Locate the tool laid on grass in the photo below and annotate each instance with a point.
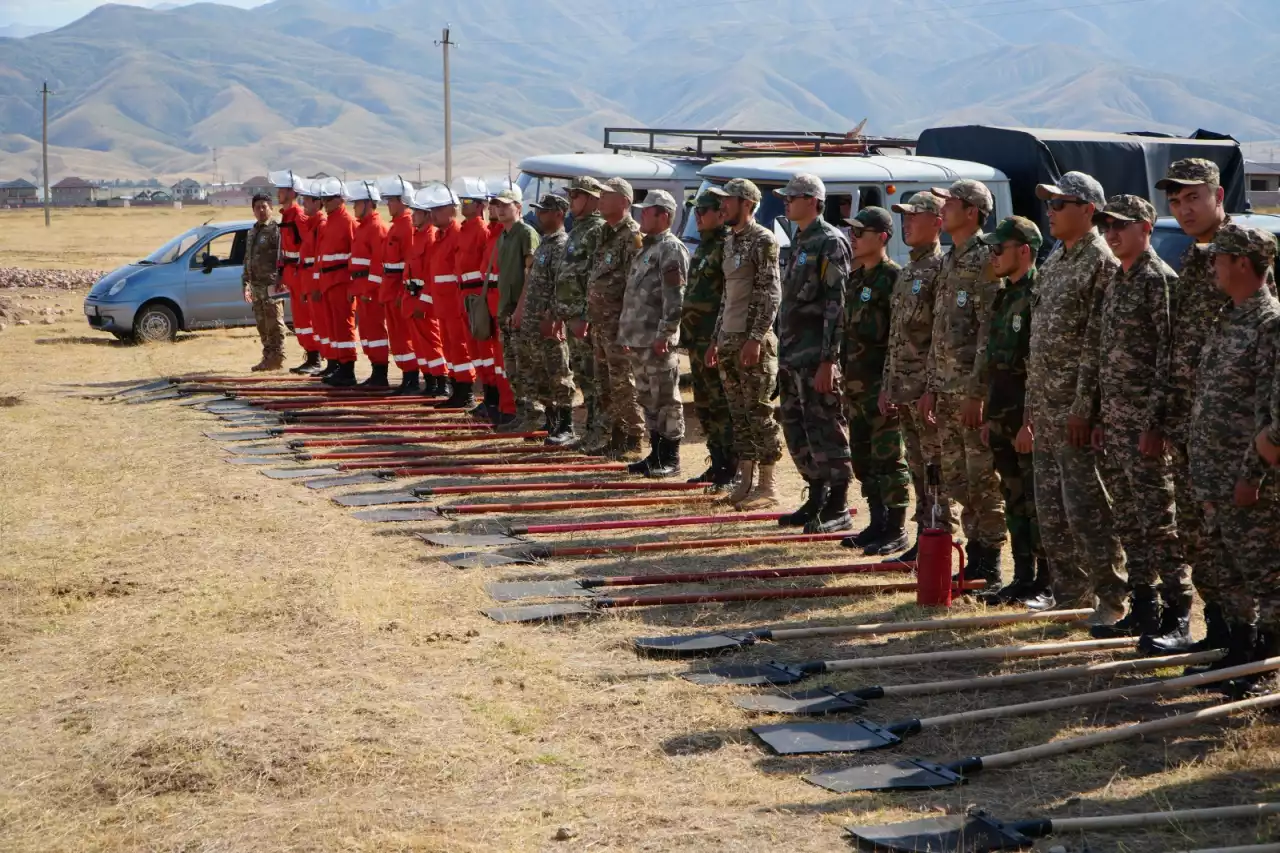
(979, 832)
(782, 673)
(592, 606)
(920, 774)
(382, 476)
(430, 464)
(719, 642)
(825, 700)
(403, 454)
(864, 735)
(423, 494)
(374, 441)
(417, 429)
(444, 512)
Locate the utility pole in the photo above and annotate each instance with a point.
(214, 180)
(419, 174)
(448, 110)
(44, 145)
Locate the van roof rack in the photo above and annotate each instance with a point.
(709, 144)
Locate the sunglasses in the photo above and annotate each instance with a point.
(1110, 224)
(1060, 203)
(1000, 248)
(703, 211)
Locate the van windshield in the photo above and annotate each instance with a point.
(533, 187)
(177, 247)
(769, 209)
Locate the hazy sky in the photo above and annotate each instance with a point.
(55, 13)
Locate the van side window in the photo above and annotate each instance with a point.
(869, 196)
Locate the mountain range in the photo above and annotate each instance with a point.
(355, 86)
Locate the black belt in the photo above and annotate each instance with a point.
(471, 286)
(361, 274)
(288, 262)
(338, 268)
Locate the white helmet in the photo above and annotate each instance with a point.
(504, 189)
(394, 187)
(287, 180)
(437, 195)
(330, 188)
(422, 199)
(363, 191)
(310, 189)
(470, 188)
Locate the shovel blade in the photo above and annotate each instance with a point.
(486, 560)
(240, 435)
(693, 645)
(145, 388)
(171, 394)
(470, 540)
(353, 480)
(229, 407)
(749, 674)
(537, 589)
(539, 612)
(299, 473)
(252, 460)
(814, 703)
(266, 450)
(417, 513)
(818, 738)
(913, 774)
(377, 499)
(958, 833)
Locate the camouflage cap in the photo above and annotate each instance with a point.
(707, 200)
(1016, 228)
(871, 219)
(551, 201)
(511, 195)
(921, 202)
(1233, 239)
(737, 188)
(584, 184)
(1189, 172)
(619, 186)
(1075, 185)
(969, 191)
(659, 198)
(804, 185)
(1126, 208)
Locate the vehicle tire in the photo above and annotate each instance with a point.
(155, 323)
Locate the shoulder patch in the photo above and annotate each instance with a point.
(1017, 323)
(915, 287)
(962, 298)
(866, 294)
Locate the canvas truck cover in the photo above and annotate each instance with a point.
(1122, 162)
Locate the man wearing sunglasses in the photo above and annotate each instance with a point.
(1133, 359)
(1075, 517)
(569, 321)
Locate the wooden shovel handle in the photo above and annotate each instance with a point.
(450, 460)
(637, 523)
(552, 506)
(505, 469)
(992, 653)
(929, 624)
(695, 544)
(356, 428)
(1125, 821)
(738, 574)
(435, 439)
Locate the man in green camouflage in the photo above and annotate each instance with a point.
(810, 342)
(612, 253)
(879, 459)
(1002, 369)
(570, 314)
(260, 278)
(697, 334)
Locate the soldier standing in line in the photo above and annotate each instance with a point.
(1132, 360)
(649, 327)
(1239, 496)
(953, 399)
(260, 277)
(698, 316)
(1002, 367)
(810, 340)
(612, 255)
(1075, 515)
(744, 346)
(879, 460)
(570, 314)
(1267, 442)
(514, 254)
(544, 358)
(910, 337)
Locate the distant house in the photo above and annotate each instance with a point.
(259, 184)
(70, 192)
(1262, 177)
(13, 193)
(187, 190)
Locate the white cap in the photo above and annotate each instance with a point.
(437, 195)
(330, 188)
(363, 191)
(470, 188)
(394, 187)
(287, 180)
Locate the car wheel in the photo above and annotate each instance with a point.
(155, 324)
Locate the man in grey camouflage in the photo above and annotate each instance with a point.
(649, 327)
(612, 254)
(745, 347)
(910, 338)
(570, 310)
(1076, 523)
(1131, 361)
(260, 277)
(1239, 496)
(810, 342)
(954, 398)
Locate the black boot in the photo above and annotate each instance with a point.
(668, 464)
(313, 360)
(717, 462)
(408, 384)
(1267, 646)
(834, 515)
(911, 554)
(649, 462)
(562, 428)
(462, 396)
(727, 475)
(330, 368)
(626, 445)
(344, 376)
(982, 563)
(487, 410)
(378, 378)
(1173, 637)
(1240, 646)
(808, 511)
(1041, 597)
(874, 528)
(893, 536)
(1023, 586)
(1143, 616)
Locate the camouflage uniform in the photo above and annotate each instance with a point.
(1132, 359)
(611, 258)
(875, 440)
(544, 361)
(811, 333)
(571, 300)
(650, 312)
(752, 291)
(1230, 407)
(1075, 517)
(261, 274)
(697, 332)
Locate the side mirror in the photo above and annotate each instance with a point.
(208, 263)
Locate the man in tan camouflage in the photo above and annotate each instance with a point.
(1076, 523)
(570, 316)
(261, 278)
(910, 337)
(1132, 359)
(612, 253)
(745, 347)
(649, 327)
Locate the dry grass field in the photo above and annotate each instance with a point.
(194, 657)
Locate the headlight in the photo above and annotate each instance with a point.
(118, 286)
